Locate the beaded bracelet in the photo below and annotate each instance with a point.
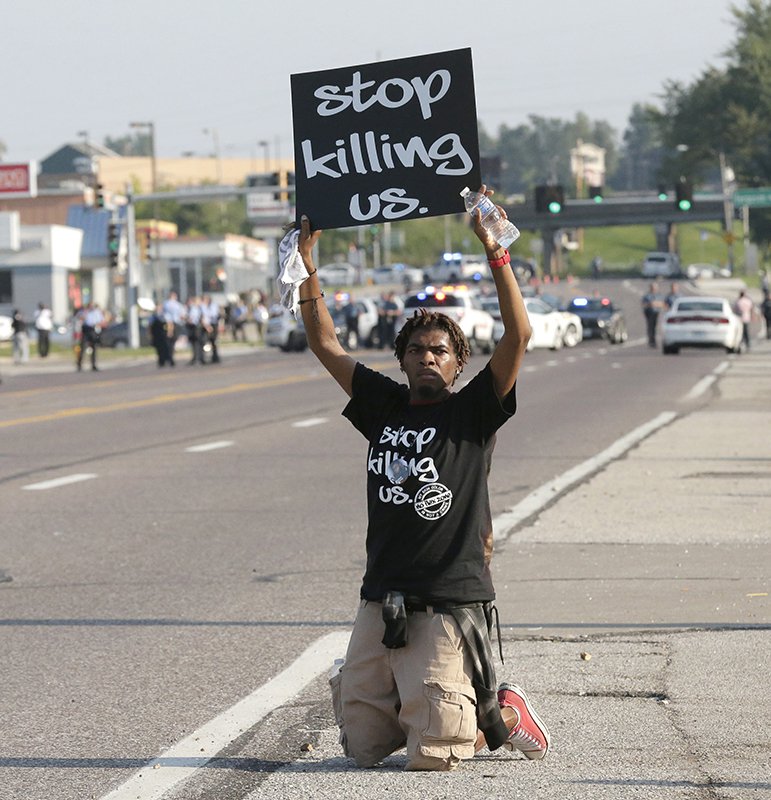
(311, 299)
(495, 263)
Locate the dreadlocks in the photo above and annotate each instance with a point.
(431, 320)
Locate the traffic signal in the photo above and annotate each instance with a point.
(113, 244)
(663, 193)
(595, 192)
(99, 196)
(265, 179)
(683, 195)
(549, 199)
(291, 193)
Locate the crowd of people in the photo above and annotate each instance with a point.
(201, 320)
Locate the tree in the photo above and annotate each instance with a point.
(727, 111)
(137, 144)
(641, 152)
(539, 152)
(214, 218)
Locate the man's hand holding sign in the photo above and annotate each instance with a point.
(388, 141)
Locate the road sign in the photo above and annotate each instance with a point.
(754, 198)
(261, 206)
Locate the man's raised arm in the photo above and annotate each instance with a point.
(510, 350)
(319, 327)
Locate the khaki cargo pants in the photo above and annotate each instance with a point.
(419, 695)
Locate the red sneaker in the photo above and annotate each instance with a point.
(529, 734)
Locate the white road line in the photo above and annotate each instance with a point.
(699, 388)
(56, 482)
(182, 759)
(310, 422)
(204, 448)
(705, 383)
(545, 494)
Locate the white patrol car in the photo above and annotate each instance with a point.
(459, 303)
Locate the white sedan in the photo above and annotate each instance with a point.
(552, 328)
(548, 325)
(701, 322)
(338, 274)
(398, 273)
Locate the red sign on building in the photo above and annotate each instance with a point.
(18, 180)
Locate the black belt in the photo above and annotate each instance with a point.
(416, 604)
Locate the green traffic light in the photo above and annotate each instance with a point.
(684, 205)
(555, 207)
(598, 198)
(662, 195)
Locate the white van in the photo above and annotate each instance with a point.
(454, 267)
(661, 265)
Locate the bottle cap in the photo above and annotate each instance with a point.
(465, 191)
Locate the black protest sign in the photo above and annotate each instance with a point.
(387, 141)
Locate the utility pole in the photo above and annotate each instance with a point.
(728, 211)
(154, 232)
(132, 272)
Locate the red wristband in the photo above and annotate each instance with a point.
(495, 263)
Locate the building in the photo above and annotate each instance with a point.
(86, 164)
(39, 264)
(225, 266)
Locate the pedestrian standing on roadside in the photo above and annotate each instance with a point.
(419, 671)
(261, 315)
(174, 312)
(238, 315)
(387, 314)
(765, 309)
(195, 330)
(674, 293)
(20, 337)
(745, 310)
(652, 304)
(43, 325)
(92, 320)
(158, 327)
(210, 318)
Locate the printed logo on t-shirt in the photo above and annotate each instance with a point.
(434, 501)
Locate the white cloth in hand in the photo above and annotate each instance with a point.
(293, 272)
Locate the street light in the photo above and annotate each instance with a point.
(217, 154)
(265, 145)
(150, 128)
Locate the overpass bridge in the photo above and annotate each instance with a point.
(645, 210)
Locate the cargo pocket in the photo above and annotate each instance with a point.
(451, 726)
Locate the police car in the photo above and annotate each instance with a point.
(460, 303)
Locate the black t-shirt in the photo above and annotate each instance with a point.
(430, 536)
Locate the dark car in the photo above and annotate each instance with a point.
(600, 318)
(117, 334)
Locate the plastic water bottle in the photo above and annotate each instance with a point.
(499, 228)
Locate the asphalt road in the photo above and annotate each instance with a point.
(174, 540)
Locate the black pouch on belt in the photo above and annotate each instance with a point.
(395, 618)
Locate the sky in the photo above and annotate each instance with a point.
(212, 73)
